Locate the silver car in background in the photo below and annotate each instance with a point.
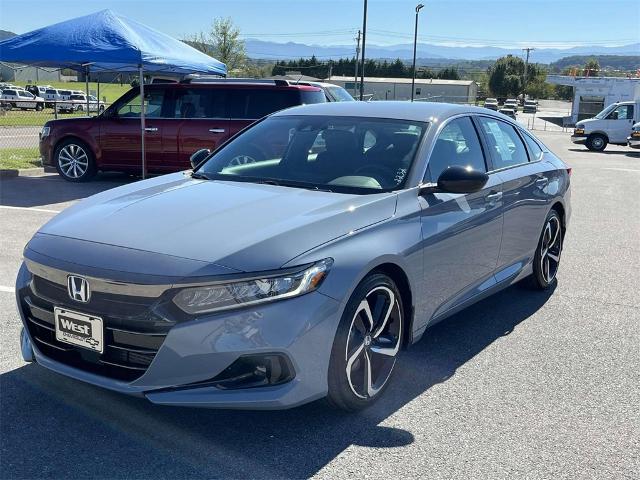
(300, 274)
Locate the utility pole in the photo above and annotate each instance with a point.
(364, 43)
(415, 44)
(526, 69)
(355, 84)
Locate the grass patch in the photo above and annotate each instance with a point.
(12, 158)
(31, 118)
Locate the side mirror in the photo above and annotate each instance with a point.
(458, 179)
(197, 158)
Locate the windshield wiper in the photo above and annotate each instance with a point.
(200, 176)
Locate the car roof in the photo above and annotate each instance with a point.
(234, 84)
(416, 111)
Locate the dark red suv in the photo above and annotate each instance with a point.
(180, 119)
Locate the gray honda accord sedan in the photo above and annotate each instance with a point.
(296, 261)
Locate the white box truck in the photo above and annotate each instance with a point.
(611, 125)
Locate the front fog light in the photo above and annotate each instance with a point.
(224, 296)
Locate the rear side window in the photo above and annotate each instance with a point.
(65, 92)
(9, 92)
(200, 103)
(457, 144)
(535, 151)
(504, 142)
(51, 92)
(252, 104)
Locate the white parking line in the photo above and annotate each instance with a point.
(33, 209)
(623, 169)
(6, 289)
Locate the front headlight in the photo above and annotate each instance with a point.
(225, 296)
(45, 132)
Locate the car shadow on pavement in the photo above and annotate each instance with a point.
(52, 426)
(52, 189)
(625, 152)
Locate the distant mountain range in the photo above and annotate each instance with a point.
(260, 49)
(4, 34)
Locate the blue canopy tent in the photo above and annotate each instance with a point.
(110, 42)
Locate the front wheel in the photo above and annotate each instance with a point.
(39, 107)
(366, 345)
(547, 258)
(74, 161)
(596, 142)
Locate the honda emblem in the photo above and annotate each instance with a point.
(78, 289)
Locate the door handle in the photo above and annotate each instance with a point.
(542, 181)
(217, 130)
(494, 197)
(150, 129)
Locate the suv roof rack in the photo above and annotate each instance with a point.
(195, 78)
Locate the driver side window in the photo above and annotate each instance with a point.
(623, 112)
(457, 144)
(152, 105)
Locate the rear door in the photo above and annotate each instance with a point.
(527, 181)
(202, 121)
(461, 233)
(120, 134)
(248, 104)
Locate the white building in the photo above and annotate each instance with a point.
(592, 94)
(435, 90)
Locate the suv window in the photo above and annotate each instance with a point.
(504, 142)
(200, 103)
(23, 93)
(51, 92)
(252, 104)
(9, 92)
(535, 151)
(65, 92)
(153, 101)
(457, 144)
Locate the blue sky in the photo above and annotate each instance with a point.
(539, 23)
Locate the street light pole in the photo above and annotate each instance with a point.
(415, 45)
(364, 42)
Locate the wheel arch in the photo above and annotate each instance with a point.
(599, 132)
(559, 207)
(401, 279)
(74, 136)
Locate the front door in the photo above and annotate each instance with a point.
(461, 233)
(120, 133)
(620, 123)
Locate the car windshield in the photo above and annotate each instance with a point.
(606, 111)
(341, 154)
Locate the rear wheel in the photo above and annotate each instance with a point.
(596, 142)
(366, 345)
(547, 258)
(74, 161)
(38, 107)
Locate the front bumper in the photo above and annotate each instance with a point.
(46, 153)
(579, 139)
(196, 351)
(633, 141)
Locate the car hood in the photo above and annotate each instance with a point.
(244, 226)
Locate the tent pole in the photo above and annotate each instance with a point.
(86, 84)
(142, 125)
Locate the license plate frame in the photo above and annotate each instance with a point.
(79, 329)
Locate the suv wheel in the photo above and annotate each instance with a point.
(366, 345)
(596, 142)
(38, 107)
(74, 160)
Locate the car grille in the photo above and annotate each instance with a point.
(133, 331)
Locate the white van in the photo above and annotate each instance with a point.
(611, 125)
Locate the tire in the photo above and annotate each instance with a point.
(365, 342)
(38, 107)
(546, 261)
(74, 160)
(596, 142)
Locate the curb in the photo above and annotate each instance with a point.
(25, 172)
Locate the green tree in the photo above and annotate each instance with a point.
(592, 68)
(449, 73)
(506, 76)
(222, 42)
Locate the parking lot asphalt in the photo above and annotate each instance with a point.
(522, 385)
